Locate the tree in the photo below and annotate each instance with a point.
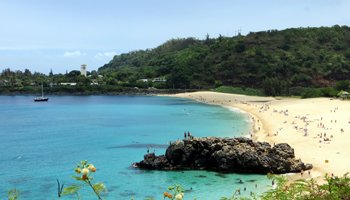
(342, 85)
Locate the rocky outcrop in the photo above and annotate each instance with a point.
(226, 155)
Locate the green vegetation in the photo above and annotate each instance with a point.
(13, 194)
(18, 82)
(306, 62)
(335, 188)
(239, 90)
(277, 62)
(84, 172)
(176, 193)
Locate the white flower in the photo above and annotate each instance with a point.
(85, 171)
(179, 196)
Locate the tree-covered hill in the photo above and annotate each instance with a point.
(276, 61)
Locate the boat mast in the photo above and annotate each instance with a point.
(42, 90)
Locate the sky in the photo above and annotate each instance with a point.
(41, 35)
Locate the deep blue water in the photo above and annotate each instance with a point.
(42, 141)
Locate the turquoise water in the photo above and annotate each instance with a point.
(42, 141)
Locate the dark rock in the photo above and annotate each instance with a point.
(151, 161)
(226, 155)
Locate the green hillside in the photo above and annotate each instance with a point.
(277, 62)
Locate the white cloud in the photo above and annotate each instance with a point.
(73, 54)
(105, 55)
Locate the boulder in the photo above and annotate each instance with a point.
(225, 155)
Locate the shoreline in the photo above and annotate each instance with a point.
(75, 91)
(316, 128)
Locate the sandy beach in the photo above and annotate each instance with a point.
(318, 129)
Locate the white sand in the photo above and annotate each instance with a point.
(297, 122)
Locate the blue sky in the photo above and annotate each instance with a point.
(63, 34)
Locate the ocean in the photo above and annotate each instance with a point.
(42, 141)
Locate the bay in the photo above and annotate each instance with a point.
(42, 141)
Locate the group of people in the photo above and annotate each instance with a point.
(188, 135)
(238, 190)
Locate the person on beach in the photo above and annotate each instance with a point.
(238, 191)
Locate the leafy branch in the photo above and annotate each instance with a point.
(84, 171)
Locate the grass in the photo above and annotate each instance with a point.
(239, 90)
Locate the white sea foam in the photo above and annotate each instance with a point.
(234, 109)
(247, 118)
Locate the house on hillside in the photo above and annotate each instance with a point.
(159, 79)
(83, 70)
(69, 84)
(4, 82)
(145, 80)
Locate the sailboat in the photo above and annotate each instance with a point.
(42, 98)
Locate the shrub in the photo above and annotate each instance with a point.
(239, 90)
(84, 172)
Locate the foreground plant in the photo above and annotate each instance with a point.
(334, 188)
(176, 192)
(13, 194)
(84, 172)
